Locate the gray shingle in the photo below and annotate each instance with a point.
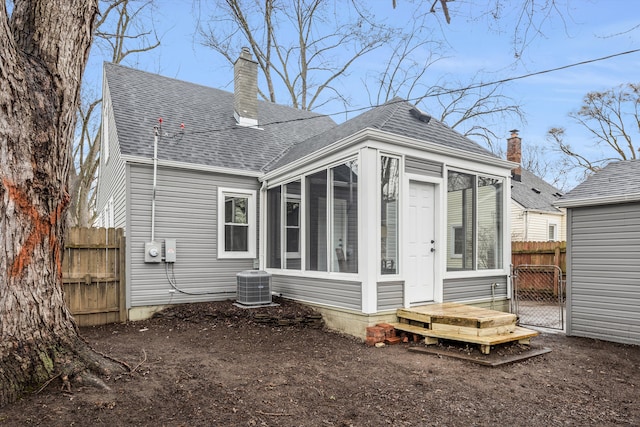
(394, 117)
(619, 179)
(534, 193)
(211, 136)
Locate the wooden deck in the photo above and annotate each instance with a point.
(464, 323)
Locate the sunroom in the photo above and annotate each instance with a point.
(383, 219)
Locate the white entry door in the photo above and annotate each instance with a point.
(420, 238)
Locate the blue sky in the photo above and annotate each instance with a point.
(589, 29)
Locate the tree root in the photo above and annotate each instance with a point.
(81, 364)
(88, 378)
(106, 356)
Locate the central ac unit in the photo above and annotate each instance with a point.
(254, 287)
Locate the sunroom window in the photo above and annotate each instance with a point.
(344, 219)
(292, 226)
(316, 221)
(330, 225)
(274, 254)
(490, 224)
(474, 222)
(389, 194)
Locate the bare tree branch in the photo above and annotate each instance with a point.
(612, 118)
(473, 112)
(121, 23)
(302, 47)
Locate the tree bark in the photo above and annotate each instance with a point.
(43, 52)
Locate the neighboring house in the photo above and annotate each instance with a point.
(389, 209)
(603, 254)
(534, 218)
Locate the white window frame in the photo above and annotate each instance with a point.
(556, 229)
(292, 198)
(331, 257)
(250, 195)
(476, 270)
(398, 213)
(453, 253)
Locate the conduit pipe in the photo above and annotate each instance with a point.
(156, 130)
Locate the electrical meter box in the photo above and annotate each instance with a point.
(169, 250)
(152, 252)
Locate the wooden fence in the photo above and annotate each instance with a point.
(540, 281)
(539, 253)
(93, 275)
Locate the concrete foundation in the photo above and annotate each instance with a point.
(352, 322)
(145, 312)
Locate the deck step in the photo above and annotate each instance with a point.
(414, 315)
(460, 322)
(455, 314)
(471, 331)
(519, 334)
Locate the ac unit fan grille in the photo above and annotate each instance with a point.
(254, 288)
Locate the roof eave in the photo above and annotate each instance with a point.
(542, 211)
(441, 149)
(192, 166)
(392, 138)
(594, 201)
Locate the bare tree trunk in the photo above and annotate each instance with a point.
(43, 51)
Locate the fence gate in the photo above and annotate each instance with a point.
(539, 295)
(93, 275)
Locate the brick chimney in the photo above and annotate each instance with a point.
(514, 154)
(245, 89)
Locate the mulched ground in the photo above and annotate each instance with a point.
(218, 364)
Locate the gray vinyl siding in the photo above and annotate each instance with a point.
(476, 288)
(603, 277)
(334, 293)
(390, 295)
(112, 180)
(422, 167)
(186, 205)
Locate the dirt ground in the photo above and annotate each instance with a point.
(215, 364)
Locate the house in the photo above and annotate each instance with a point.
(389, 209)
(603, 254)
(534, 217)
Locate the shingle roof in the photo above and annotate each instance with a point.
(395, 117)
(617, 182)
(211, 135)
(535, 193)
